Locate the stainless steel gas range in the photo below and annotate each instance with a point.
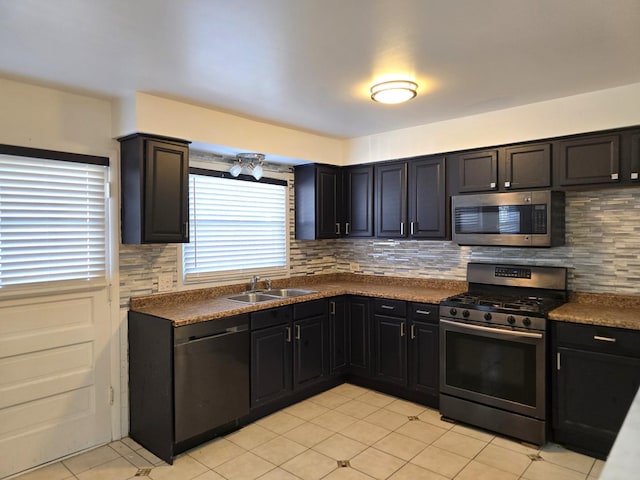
(494, 348)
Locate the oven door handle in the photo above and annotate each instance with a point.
(509, 333)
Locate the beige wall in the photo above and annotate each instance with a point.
(612, 108)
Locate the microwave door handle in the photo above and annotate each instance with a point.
(508, 333)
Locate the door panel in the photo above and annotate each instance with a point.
(54, 378)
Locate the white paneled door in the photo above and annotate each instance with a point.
(54, 377)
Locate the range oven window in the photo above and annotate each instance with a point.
(497, 368)
(501, 219)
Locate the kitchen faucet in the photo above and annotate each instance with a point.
(253, 282)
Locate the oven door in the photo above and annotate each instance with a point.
(493, 366)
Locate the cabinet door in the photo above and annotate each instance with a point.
(328, 202)
(593, 392)
(634, 175)
(391, 200)
(309, 350)
(359, 201)
(270, 364)
(527, 166)
(423, 355)
(390, 350)
(427, 199)
(166, 192)
(478, 171)
(358, 329)
(589, 160)
(338, 336)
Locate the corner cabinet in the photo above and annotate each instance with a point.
(595, 378)
(154, 189)
(318, 202)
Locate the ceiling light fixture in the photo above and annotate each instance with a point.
(394, 91)
(251, 162)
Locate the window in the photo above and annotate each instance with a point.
(237, 227)
(53, 217)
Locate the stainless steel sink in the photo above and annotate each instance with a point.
(288, 292)
(269, 295)
(256, 297)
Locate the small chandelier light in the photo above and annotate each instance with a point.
(252, 163)
(394, 91)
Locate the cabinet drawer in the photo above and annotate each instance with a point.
(424, 312)
(394, 308)
(310, 309)
(270, 317)
(599, 338)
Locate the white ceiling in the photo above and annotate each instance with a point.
(308, 64)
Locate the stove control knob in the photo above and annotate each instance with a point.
(511, 319)
(453, 312)
(526, 322)
(465, 313)
(487, 316)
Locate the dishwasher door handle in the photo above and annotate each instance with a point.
(221, 334)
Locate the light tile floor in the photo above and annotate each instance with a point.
(374, 436)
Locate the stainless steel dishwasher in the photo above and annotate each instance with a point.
(211, 375)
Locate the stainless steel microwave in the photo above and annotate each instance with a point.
(514, 219)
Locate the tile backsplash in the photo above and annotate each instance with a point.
(602, 251)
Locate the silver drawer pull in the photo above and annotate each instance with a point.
(604, 339)
(423, 312)
(297, 332)
(413, 331)
(288, 334)
(402, 329)
(387, 307)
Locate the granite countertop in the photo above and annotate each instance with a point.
(192, 306)
(600, 309)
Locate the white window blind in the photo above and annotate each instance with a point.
(236, 228)
(52, 220)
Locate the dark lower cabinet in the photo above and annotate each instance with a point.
(338, 336)
(271, 364)
(359, 336)
(310, 343)
(424, 362)
(390, 341)
(596, 376)
(289, 350)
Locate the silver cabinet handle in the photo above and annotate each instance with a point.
(507, 184)
(347, 228)
(332, 308)
(387, 307)
(413, 331)
(614, 176)
(401, 228)
(402, 329)
(492, 185)
(289, 334)
(604, 339)
(297, 332)
(337, 229)
(634, 175)
(423, 312)
(558, 361)
(412, 228)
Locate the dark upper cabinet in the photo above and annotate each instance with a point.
(318, 202)
(358, 186)
(634, 161)
(391, 200)
(154, 185)
(477, 171)
(588, 160)
(427, 198)
(596, 376)
(526, 167)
